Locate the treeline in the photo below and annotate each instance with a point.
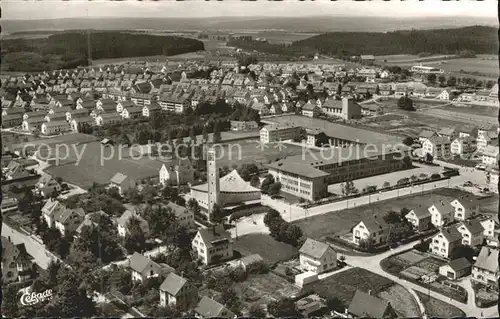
(70, 49)
(480, 39)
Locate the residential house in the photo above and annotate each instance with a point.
(364, 305)
(448, 132)
(441, 213)
(52, 117)
(490, 225)
(184, 216)
(122, 105)
(426, 135)
(151, 109)
(132, 112)
(491, 178)
(106, 118)
(472, 232)
(420, 218)
(485, 139)
(445, 242)
(317, 256)
(17, 264)
(438, 147)
(465, 131)
(213, 244)
(209, 308)
(372, 231)
(79, 124)
(485, 269)
(12, 120)
(309, 110)
(178, 172)
(15, 170)
(48, 210)
(67, 220)
(463, 145)
(243, 125)
(122, 182)
(47, 181)
(33, 123)
(312, 306)
(56, 127)
(456, 269)
(489, 155)
(176, 291)
(143, 268)
(123, 220)
(385, 89)
(465, 207)
(445, 94)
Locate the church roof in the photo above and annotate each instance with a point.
(231, 183)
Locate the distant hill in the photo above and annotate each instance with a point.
(69, 49)
(480, 39)
(296, 24)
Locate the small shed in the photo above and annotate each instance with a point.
(305, 278)
(456, 269)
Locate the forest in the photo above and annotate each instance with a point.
(70, 49)
(480, 39)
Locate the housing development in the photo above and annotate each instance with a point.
(237, 184)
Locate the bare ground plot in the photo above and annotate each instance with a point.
(437, 308)
(341, 222)
(344, 285)
(267, 247)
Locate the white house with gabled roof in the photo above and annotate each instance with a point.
(317, 257)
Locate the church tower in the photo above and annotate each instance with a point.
(213, 181)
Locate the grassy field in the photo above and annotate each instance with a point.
(483, 110)
(264, 245)
(341, 222)
(97, 164)
(437, 308)
(406, 58)
(278, 37)
(344, 285)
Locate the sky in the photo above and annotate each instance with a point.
(57, 9)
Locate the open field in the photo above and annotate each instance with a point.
(151, 58)
(406, 58)
(267, 247)
(437, 308)
(482, 110)
(341, 222)
(344, 285)
(99, 164)
(463, 117)
(278, 37)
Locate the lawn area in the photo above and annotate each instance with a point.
(341, 222)
(344, 285)
(267, 247)
(437, 308)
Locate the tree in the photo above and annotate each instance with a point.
(124, 139)
(464, 251)
(274, 189)
(266, 183)
(217, 135)
(405, 103)
(256, 311)
(441, 79)
(192, 135)
(413, 178)
(121, 280)
(431, 78)
(230, 298)
(386, 184)
(452, 81)
(348, 188)
(408, 141)
(335, 304)
(217, 214)
(283, 308)
(423, 176)
(10, 301)
(192, 205)
(135, 240)
(428, 158)
(255, 181)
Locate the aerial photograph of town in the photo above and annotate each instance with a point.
(249, 159)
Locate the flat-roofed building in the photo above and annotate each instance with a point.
(274, 133)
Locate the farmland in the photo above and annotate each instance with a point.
(440, 309)
(341, 222)
(278, 37)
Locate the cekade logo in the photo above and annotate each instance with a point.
(28, 299)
